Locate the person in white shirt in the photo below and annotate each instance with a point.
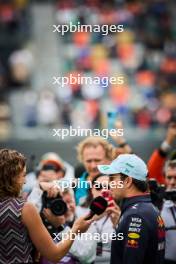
(103, 228)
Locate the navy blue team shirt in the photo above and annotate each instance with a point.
(143, 233)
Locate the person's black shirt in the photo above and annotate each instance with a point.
(143, 231)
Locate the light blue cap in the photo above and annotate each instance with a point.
(128, 164)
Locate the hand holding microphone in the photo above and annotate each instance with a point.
(97, 207)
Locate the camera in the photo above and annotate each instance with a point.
(170, 195)
(159, 193)
(57, 206)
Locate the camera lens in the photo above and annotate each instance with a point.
(58, 207)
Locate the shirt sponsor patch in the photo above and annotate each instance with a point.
(135, 225)
(134, 229)
(136, 220)
(132, 243)
(133, 235)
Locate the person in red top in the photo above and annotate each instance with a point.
(159, 156)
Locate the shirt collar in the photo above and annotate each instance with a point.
(127, 202)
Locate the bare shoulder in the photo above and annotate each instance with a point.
(29, 208)
(29, 213)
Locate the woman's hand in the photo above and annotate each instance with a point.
(81, 225)
(41, 238)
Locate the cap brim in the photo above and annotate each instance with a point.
(107, 169)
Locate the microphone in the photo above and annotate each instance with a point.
(97, 207)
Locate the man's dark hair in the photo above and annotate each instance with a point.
(140, 185)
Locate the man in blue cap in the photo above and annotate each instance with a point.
(140, 222)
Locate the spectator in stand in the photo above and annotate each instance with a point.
(122, 144)
(47, 109)
(146, 48)
(21, 66)
(2, 77)
(159, 156)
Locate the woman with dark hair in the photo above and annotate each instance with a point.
(104, 225)
(21, 228)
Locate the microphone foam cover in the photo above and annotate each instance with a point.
(98, 205)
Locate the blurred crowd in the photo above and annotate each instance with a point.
(15, 59)
(144, 53)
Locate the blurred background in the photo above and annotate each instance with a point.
(31, 54)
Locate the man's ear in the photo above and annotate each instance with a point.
(129, 182)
